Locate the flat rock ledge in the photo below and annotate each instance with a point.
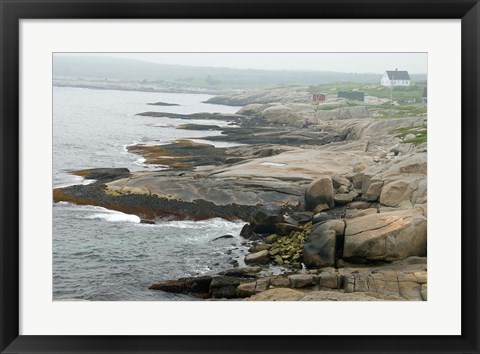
(150, 207)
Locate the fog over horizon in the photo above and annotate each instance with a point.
(369, 63)
(218, 72)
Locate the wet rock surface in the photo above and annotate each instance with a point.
(163, 104)
(265, 218)
(196, 116)
(103, 174)
(150, 207)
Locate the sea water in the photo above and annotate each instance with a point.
(100, 254)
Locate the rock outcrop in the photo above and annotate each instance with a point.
(103, 175)
(335, 198)
(403, 280)
(260, 257)
(266, 218)
(319, 192)
(386, 236)
(319, 249)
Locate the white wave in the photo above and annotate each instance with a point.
(203, 224)
(202, 231)
(115, 216)
(163, 125)
(67, 180)
(220, 123)
(61, 203)
(140, 161)
(125, 147)
(92, 208)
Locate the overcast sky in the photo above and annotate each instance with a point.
(340, 62)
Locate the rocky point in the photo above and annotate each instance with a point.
(334, 199)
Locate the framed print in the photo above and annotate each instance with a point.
(232, 177)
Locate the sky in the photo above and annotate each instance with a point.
(415, 63)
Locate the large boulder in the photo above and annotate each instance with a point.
(319, 249)
(246, 289)
(386, 236)
(357, 180)
(259, 247)
(277, 114)
(344, 198)
(339, 181)
(373, 191)
(321, 217)
(247, 232)
(400, 183)
(336, 225)
(254, 109)
(301, 280)
(395, 192)
(320, 191)
(303, 216)
(265, 218)
(260, 257)
(416, 164)
(419, 196)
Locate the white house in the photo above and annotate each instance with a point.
(396, 78)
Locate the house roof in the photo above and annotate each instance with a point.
(398, 75)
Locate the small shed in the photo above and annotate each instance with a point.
(319, 97)
(424, 96)
(352, 95)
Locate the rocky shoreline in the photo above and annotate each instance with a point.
(334, 198)
(398, 281)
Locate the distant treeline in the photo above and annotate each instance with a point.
(104, 68)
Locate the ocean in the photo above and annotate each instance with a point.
(105, 255)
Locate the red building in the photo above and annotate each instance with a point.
(319, 97)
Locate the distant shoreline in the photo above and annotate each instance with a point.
(139, 89)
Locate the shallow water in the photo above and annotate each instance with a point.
(100, 254)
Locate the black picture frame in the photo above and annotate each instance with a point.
(14, 10)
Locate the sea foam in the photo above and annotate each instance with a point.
(115, 216)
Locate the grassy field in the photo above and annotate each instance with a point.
(401, 111)
(403, 95)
